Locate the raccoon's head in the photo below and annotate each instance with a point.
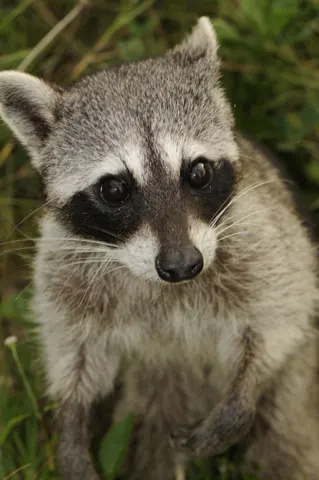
(141, 156)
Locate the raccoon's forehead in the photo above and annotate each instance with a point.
(131, 118)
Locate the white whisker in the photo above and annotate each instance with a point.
(80, 262)
(91, 282)
(79, 240)
(113, 269)
(103, 274)
(232, 235)
(249, 189)
(86, 262)
(22, 291)
(14, 250)
(229, 219)
(28, 216)
(64, 239)
(81, 250)
(238, 221)
(105, 231)
(58, 250)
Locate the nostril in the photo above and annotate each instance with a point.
(195, 267)
(167, 274)
(170, 273)
(196, 262)
(164, 271)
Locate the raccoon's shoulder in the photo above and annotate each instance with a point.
(257, 156)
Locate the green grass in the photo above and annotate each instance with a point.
(270, 51)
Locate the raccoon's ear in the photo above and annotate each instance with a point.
(27, 105)
(201, 42)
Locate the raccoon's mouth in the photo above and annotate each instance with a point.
(179, 265)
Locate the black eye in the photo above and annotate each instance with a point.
(114, 190)
(200, 174)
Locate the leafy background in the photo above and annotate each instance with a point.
(270, 52)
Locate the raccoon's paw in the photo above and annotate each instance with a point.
(196, 441)
(226, 425)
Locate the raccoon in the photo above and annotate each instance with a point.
(172, 267)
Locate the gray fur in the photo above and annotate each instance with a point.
(231, 356)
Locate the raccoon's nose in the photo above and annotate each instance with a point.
(178, 265)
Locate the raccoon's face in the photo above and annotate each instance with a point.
(141, 157)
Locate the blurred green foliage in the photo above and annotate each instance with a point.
(270, 53)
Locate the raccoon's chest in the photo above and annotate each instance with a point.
(181, 333)
(160, 330)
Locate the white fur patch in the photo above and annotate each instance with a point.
(133, 157)
(203, 36)
(204, 238)
(174, 152)
(27, 90)
(204, 33)
(79, 181)
(139, 254)
(30, 88)
(171, 155)
(213, 150)
(129, 158)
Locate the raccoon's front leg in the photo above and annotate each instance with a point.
(93, 374)
(80, 371)
(73, 455)
(227, 424)
(255, 363)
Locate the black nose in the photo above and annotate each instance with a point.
(178, 265)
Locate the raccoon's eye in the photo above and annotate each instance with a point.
(114, 190)
(200, 174)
